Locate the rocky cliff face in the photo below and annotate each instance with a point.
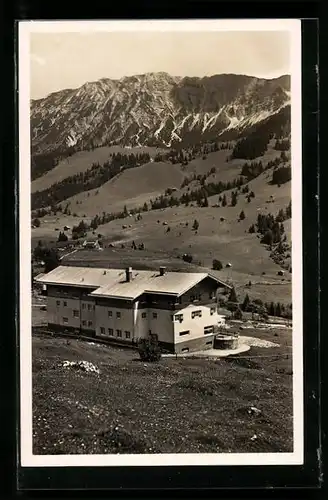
(154, 109)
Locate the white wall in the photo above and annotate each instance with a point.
(196, 325)
(141, 325)
(162, 325)
(88, 313)
(124, 323)
(56, 313)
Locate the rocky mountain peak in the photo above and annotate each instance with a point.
(153, 109)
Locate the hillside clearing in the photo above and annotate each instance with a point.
(81, 161)
(138, 185)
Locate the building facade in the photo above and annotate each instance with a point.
(124, 305)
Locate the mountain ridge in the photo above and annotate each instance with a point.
(153, 109)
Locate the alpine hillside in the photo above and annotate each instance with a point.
(181, 172)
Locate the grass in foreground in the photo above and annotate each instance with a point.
(184, 405)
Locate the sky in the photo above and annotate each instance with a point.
(68, 60)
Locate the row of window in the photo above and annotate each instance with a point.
(84, 322)
(195, 298)
(194, 314)
(207, 330)
(118, 315)
(110, 332)
(76, 314)
(90, 307)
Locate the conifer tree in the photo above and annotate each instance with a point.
(233, 295)
(246, 302)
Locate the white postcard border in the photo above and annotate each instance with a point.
(293, 26)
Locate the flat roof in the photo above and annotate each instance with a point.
(112, 282)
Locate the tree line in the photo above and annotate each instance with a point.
(256, 142)
(256, 306)
(187, 154)
(277, 309)
(282, 144)
(41, 163)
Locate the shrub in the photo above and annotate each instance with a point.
(217, 265)
(149, 349)
(36, 222)
(187, 257)
(195, 225)
(238, 313)
(242, 215)
(231, 306)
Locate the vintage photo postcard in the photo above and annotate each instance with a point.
(160, 181)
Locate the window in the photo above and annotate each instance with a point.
(185, 349)
(118, 315)
(213, 309)
(83, 306)
(89, 323)
(102, 330)
(84, 323)
(89, 307)
(144, 315)
(178, 317)
(65, 320)
(212, 295)
(209, 342)
(127, 335)
(208, 329)
(65, 304)
(75, 313)
(110, 314)
(192, 298)
(195, 314)
(57, 302)
(119, 333)
(186, 332)
(110, 331)
(154, 315)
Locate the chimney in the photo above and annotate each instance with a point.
(162, 270)
(128, 272)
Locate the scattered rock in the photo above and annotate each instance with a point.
(254, 411)
(81, 365)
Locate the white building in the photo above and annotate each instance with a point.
(125, 305)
